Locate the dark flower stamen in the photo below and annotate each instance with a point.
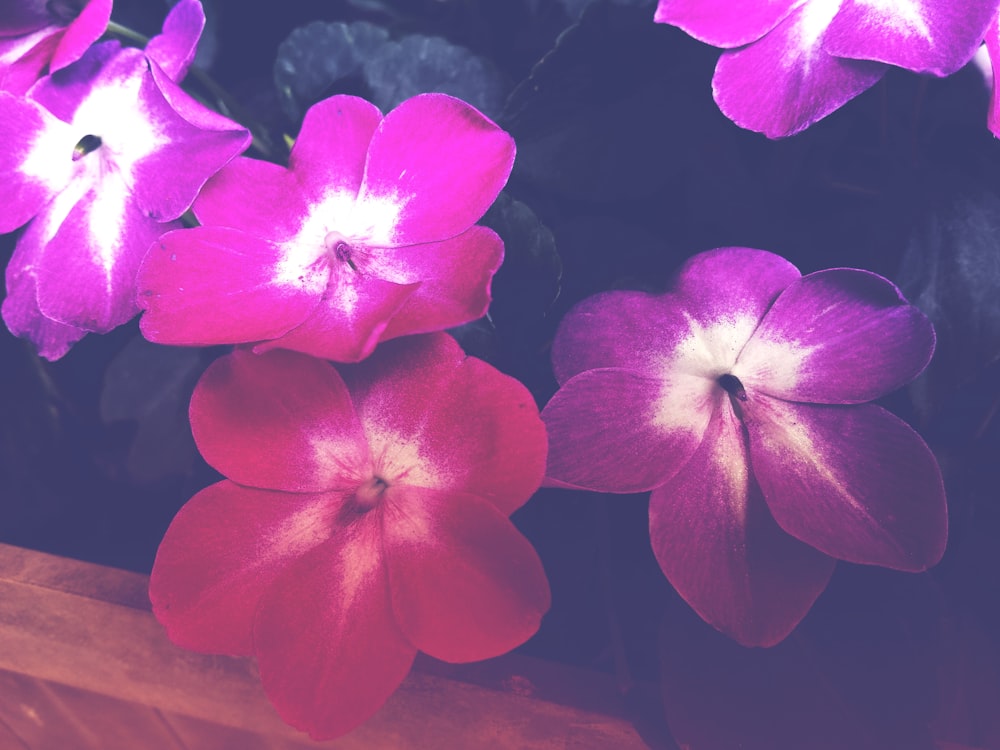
(86, 145)
(732, 385)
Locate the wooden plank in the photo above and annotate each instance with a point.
(89, 627)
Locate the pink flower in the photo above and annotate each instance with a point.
(790, 63)
(366, 236)
(365, 517)
(99, 159)
(738, 398)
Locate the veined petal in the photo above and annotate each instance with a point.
(466, 584)
(280, 421)
(222, 551)
(925, 36)
(837, 336)
(81, 33)
(174, 49)
(348, 323)
(786, 81)
(853, 481)
(437, 419)
(613, 430)
(718, 545)
(440, 162)
(325, 637)
(454, 278)
(212, 285)
(718, 23)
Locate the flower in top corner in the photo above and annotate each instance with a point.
(739, 398)
(789, 63)
(367, 235)
(365, 517)
(99, 159)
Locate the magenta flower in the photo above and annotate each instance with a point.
(790, 63)
(366, 236)
(99, 159)
(738, 398)
(365, 517)
(38, 37)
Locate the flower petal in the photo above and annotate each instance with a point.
(993, 52)
(81, 33)
(441, 161)
(618, 431)
(222, 551)
(175, 48)
(718, 545)
(925, 36)
(466, 584)
(785, 82)
(715, 22)
(212, 285)
(454, 277)
(281, 421)
(853, 481)
(837, 336)
(326, 641)
(437, 419)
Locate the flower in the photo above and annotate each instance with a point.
(365, 517)
(36, 35)
(366, 236)
(790, 63)
(100, 158)
(738, 398)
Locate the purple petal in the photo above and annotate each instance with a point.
(718, 23)
(23, 59)
(24, 16)
(213, 285)
(838, 336)
(175, 48)
(440, 162)
(619, 431)
(63, 92)
(785, 82)
(993, 50)
(720, 548)
(853, 481)
(925, 36)
(81, 33)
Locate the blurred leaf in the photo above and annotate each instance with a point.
(151, 385)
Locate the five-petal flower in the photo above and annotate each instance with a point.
(789, 63)
(365, 516)
(368, 235)
(738, 398)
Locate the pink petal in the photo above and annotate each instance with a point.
(440, 420)
(853, 481)
(613, 430)
(785, 82)
(332, 146)
(197, 113)
(349, 321)
(326, 641)
(925, 36)
(222, 552)
(23, 59)
(441, 161)
(256, 197)
(837, 336)
(175, 48)
(81, 33)
(466, 585)
(280, 421)
(993, 50)
(720, 548)
(454, 277)
(211, 285)
(718, 23)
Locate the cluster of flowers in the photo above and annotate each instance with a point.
(789, 63)
(365, 510)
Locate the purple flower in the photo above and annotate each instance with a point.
(790, 63)
(366, 236)
(36, 35)
(738, 398)
(99, 159)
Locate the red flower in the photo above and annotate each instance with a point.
(365, 518)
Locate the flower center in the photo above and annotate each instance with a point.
(86, 145)
(369, 494)
(340, 249)
(732, 385)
